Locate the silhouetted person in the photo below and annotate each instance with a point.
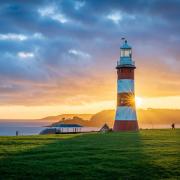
(173, 126)
(17, 133)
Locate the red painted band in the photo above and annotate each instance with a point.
(125, 73)
(124, 125)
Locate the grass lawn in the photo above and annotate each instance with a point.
(148, 154)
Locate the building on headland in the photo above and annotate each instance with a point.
(68, 128)
(125, 118)
(62, 128)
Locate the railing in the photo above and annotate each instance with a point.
(125, 61)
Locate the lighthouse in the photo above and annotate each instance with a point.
(125, 118)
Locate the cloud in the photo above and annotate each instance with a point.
(79, 4)
(72, 48)
(38, 35)
(116, 17)
(53, 14)
(79, 53)
(20, 37)
(25, 54)
(13, 36)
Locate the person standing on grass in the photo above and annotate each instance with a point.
(17, 133)
(173, 126)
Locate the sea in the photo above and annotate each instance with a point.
(34, 127)
(24, 127)
(31, 127)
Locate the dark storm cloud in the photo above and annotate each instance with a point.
(51, 47)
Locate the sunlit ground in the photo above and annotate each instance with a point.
(148, 154)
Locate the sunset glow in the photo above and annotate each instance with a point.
(33, 112)
(54, 60)
(139, 102)
(89, 89)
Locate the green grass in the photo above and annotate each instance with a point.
(148, 154)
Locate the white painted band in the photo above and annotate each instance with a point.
(125, 85)
(125, 113)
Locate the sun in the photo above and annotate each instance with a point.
(138, 102)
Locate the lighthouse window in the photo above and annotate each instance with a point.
(126, 53)
(122, 53)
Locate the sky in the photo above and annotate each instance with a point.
(59, 56)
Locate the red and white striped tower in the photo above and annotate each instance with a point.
(126, 119)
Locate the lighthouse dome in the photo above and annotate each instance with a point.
(125, 45)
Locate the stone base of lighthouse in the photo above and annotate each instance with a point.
(125, 125)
